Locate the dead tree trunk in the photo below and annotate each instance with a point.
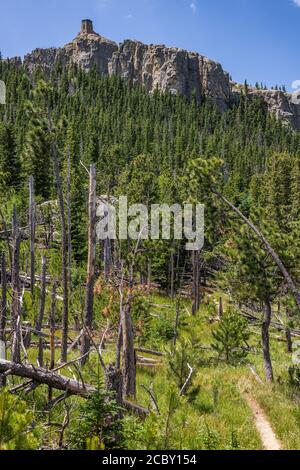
(40, 318)
(220, 309)
(6, 237)
(69, 218)
(114, 386)
(16, 307)
(128, 357)
(43, 376)
(107, 258)
(114, 382)
(196, 282)
(266, 341)
(59, 382)
(32, 233)
(3, 314)
(119, 344)
(288, 334)
(64, 249)
(89, 293)
(289, 341)
(3, 311)
(52, 332)
(172, 275)
(176, 325)
(149, 277)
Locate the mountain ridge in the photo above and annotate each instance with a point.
(159, 67)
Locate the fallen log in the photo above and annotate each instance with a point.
(22, 229)
(275, 337)
(168, 307)
(37, 277)
(75, 342)
(49, 378)
(34, 331)
(137, 409)
(25, 279)
(150, 366)
(59, 382)
(46, 344)
(275, 325)
(46, 326)
(150, 352)
(147, 360)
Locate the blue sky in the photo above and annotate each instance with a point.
(254, 39)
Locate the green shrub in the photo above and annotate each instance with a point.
(98, 425)
(210, 438)
(158, 330)
(186, 354)
(16, 424)
(231, 337)
(157, 431)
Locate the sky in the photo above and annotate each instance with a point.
(257, 40)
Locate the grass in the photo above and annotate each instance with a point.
(216, 416)
(220, 417)
(280, 401)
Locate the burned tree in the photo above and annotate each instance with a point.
(3, 311)
(64, 248)
(288, 333)
(52, 332)
(89, 294)
(196, 282)
(69, 218)
(128, 355)
(16, 307)
(40, 318)
(3, 314)
(266, 341)
(32, 233)
(6, 234)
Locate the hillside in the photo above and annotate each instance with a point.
(161, 68)
(140, 343)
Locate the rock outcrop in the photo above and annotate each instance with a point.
(154, 66)
(87, 50)
(283, 105)
(159, 67)
(171, 69)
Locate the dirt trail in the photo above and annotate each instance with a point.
(268, 437)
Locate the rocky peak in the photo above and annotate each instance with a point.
(159, 67)
(87, 31)
(88, 50)
(87, 27)
(281, 104)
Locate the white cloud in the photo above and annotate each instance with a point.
(297, 2)
(296, 83)
(193, 7)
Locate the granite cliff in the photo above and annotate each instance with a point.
(159, 67)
